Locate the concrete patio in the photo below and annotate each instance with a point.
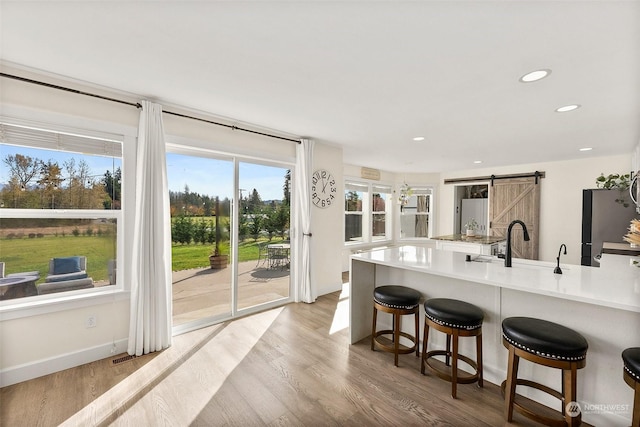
(203, 292)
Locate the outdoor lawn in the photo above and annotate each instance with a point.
(33, 254)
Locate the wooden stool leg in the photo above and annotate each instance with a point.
(569, 380)
(417, 331)
(396, 337)
(373, 329)
(447, 357)
(635, 421)
(425, 339)
(510, 389)
(479, 359)
(454, 365)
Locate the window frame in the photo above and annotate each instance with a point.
(367, 212)
(420, 189)
(62, 301)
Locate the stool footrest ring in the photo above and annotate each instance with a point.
(463, 376)
(403, 349)
(530, 413)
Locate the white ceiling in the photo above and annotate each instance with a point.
(367, 76)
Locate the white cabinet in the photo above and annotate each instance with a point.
(475, 208)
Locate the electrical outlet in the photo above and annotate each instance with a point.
(91, 321)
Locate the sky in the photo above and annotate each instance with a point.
(203, 175)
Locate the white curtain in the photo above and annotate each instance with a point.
(305, 290)
(150, 320)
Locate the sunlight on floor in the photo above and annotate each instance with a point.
(341, 316)
(180, 370)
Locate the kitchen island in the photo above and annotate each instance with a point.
(603, 304)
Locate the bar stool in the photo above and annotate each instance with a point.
(456, 319)
(397, 300)
(547, 344)
(631, 359)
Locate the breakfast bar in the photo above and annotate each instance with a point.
(602, 304)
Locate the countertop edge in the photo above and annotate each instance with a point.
(543, 292)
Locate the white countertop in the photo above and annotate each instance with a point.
(616, 285)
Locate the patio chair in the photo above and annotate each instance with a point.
(66, 274)
(263, 254)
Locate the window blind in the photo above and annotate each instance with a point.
(53, 140)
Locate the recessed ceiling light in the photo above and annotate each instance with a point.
(535, 76)
(419, 138)
(567, 108)
(477, 162)
(586, 149)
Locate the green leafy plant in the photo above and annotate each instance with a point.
(614, 181)
(472, 224)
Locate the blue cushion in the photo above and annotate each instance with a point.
(66, 265)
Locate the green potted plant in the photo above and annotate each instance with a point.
(219, 257)
(471, 226)
(614, 181)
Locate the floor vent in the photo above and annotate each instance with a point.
(122, 359)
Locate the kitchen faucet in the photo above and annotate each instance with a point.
(507, 258)
(557, 270)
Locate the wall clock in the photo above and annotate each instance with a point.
(324, 190)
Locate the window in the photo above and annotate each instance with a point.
(415, 216)
(367, 211)
(60, 199)
(381, 210)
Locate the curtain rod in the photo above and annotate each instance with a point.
(492, 178)
(137, 105)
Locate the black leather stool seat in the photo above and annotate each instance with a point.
(454, 313)
(631, 359)
(545, 339)
(631, 375)
(394, 296)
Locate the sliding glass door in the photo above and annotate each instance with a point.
(264, 246)
(230, 236)
(200, 199)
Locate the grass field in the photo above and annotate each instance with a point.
(34, 254)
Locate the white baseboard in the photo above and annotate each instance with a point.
(28, 371)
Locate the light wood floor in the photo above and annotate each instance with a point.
(287, 366)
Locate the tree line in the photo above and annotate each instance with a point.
(192, 212)
(38, 184)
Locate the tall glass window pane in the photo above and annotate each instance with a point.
(264, 248)
(200, 199)
(353, 204)
(49, 170)
(415, 218)
(381, 210)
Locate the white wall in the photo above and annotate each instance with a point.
(327, 226)
(47, 339)
(560, 199)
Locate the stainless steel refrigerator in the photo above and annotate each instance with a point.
(603, 220)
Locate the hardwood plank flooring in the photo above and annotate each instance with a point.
(281, 367)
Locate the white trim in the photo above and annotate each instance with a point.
(28, 371)
(62, 301)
